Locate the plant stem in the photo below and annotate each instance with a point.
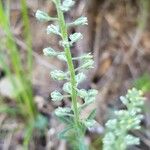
(27, 35)
(63, 28)
(64, 34)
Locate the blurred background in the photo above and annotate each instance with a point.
(118, 35)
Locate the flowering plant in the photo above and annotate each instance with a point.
(117, 136)
(75, 125)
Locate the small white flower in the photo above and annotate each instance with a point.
(58, 75)
(80, 21)
(49, 51)
(56, 96)
(75, 37)
(62, 56)
(80, 77)
(66, 5)
(88, 64)
(67, 87)
(42, 16)
(53, 29)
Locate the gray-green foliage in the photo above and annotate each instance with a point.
(117, 135)
(72, 77)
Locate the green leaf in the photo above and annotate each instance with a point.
(63, 111)
(92, 115)
(87, 57)
(9, 110)
(66, 119)
(143, 83)
(89, 123)
(41, 122)
(84, 57)
(28, 134)
(64, 134)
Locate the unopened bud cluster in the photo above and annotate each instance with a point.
(117, 135)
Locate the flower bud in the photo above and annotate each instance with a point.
(58, 75)
(75, 37)
(80, 21)
(62, 56)
(66, 5)
(49, 51)
(82, 93)
(42, 16)
(87, 57)
(67, 87)
(53, 29)
(88, 64)
(80, 77)
(56, 96)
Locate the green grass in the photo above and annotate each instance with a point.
(20, 75)
(27, 35)
(143, 83)
(75, 125)
(26, 97)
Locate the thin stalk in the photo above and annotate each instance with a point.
(25, 96)
(27, 35)
(64, 35)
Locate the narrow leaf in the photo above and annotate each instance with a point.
(92, 114)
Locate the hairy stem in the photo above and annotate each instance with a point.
(63, 30)
(64, 33)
